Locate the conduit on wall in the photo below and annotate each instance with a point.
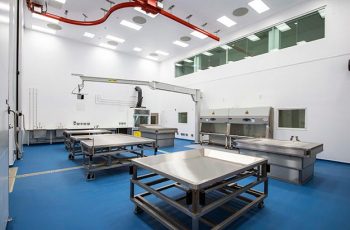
(149, 6)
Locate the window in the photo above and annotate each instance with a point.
(183, 117)
(291, 118)
(307, 28)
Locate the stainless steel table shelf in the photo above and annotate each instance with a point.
(206, 180)
(68, 142)
(110, 148)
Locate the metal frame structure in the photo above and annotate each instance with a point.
(149, 6)
(111, 153)
(198, 200)
(154, 85)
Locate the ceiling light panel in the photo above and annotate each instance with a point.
(43, 18)
(177, 64)
(107, 46)
(322, 13)
(199, 35)
(283, 27)
(137, 49)
(253, 38)
(208, 54)
(226, 21)
(144, 12)
(188, 61)
(182, 44)
(130, 25)
(42, 29)
(4, 6)
(259, 6)
(113, 38)
(162, 53)
(152, 58)
(61, 1)
(89, 35)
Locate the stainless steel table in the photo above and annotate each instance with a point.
(111, 148)
(202, 181)
(69, 133)
(164, 136)
(291, 161)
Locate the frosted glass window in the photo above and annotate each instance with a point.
(259, 45)
(291, 118)
(184, 67)
(182, 117)
(239, 50)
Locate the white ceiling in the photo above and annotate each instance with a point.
(160, 32)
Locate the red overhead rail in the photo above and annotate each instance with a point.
(149, 6)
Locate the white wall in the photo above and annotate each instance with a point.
(313, 75)
(49, 61)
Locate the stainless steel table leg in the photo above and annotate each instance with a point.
(195, 207)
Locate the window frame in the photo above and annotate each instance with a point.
(289, 128)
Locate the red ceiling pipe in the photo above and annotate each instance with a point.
(146, 5)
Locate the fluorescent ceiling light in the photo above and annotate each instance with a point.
(47, 19)
(116, 39)
(188, 61)
(253, 38)
(182, 44)
(144, 12)
(89, 35)
(4, 19)
(42, 29)
(283, 27)
(199, 35)
(226, 21)
(137, 49)
(322, 13)
(207, 54)
(130, 25)
(61, 1)
(259, 6)
(301, 42)
(162, 53)
(4, 6)
(226, 47)
(107, 46)
(177, 64)
(152, 58)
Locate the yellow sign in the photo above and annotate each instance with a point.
(137, 133)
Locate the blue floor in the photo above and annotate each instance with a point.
(66, 201)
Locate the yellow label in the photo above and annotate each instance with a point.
(137, 133)
(112, 80)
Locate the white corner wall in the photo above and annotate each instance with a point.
(49, 61)
(312, 76)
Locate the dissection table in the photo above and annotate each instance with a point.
(291, 161)
(69, 133)
(114, 150)
(202, 181)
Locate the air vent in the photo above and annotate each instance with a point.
(139, 20)
(185, 38)
(240, 12)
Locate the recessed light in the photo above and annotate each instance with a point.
(182, 44)
(322, 13)
(113, 38)
(42, 29)
(226, 21)
(47, 19)
(188, 61)
(130, 25)
(177, 64)
(4, 19)
(144, 12)
(283, 27)
(137, 49)
(162, 53)
(89, 35)
(226, 47)
(107, 46)
(152, 58)
(253, 38)
(207, 54)
(61, 1)
(259, 6)
(199, 35)
(4, 6)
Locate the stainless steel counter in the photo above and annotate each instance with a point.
(198, 174)
(164, 136)
(290, 161)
